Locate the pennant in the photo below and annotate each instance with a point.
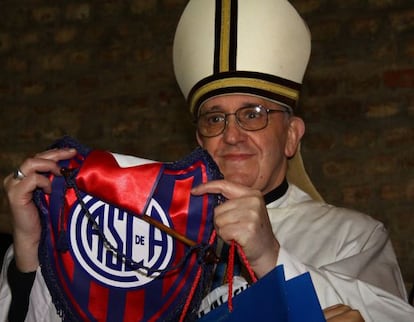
(101, 260)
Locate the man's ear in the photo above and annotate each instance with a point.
(295, 132)
(199, 140)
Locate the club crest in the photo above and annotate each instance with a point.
(143, 243)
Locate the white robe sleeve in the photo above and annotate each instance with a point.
(292, 267)
(5, 295)
(41, 307)
(368, 280)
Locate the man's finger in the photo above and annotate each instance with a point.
(335, 310)
(228, 189)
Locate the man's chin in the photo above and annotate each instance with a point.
(240, 178)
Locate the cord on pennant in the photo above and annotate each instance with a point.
(246, 263)
(230, 270)
(230, 274)
(196, 281)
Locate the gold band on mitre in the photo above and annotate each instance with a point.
(264, 85)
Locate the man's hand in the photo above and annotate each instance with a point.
(342, 313)
(25, 217)
(243, 218)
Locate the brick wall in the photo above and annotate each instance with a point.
(101, 71)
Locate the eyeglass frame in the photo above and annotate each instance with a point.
(286, 109)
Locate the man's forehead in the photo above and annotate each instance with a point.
(233, 101)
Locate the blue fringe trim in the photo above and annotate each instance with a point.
(63, 306)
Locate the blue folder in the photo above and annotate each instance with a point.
(272, 298)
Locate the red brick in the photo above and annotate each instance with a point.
(383, 52)
(402, 20)
(338, 168)
(404, 222)
(78, 11)
(45, 14)
(325, 30)
(307, 6)
(31, 88)
(87, 83)
(5, 90)
(410, 190)
(140, 7)
(110, 7)
(401, 78)
(391, 193)
(362, 138)
(356, 194)
(410, 107)
(380, 165)
(53, 62)
(364, 27)
(382, 110)
(65, 35)
(362, 84)
(5, 42)
(340, 109)
(15, 64)
(143, 54)
(408, 48)
(323, 84)
(320, 141)
(399, 136)
(80, 57)
(29, 38)
(380, 4)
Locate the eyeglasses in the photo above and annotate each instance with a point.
(249, 118)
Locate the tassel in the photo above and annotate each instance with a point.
(230, 274)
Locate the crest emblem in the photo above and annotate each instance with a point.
(143, 243)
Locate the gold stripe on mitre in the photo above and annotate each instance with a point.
(225, 29)
(201, 93)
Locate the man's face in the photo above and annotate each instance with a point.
(257, 159)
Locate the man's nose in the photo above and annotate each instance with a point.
(233, 133)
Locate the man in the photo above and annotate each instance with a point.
(240, 65)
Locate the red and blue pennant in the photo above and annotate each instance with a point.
(123, 239)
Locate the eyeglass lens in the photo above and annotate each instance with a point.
(250, 118)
